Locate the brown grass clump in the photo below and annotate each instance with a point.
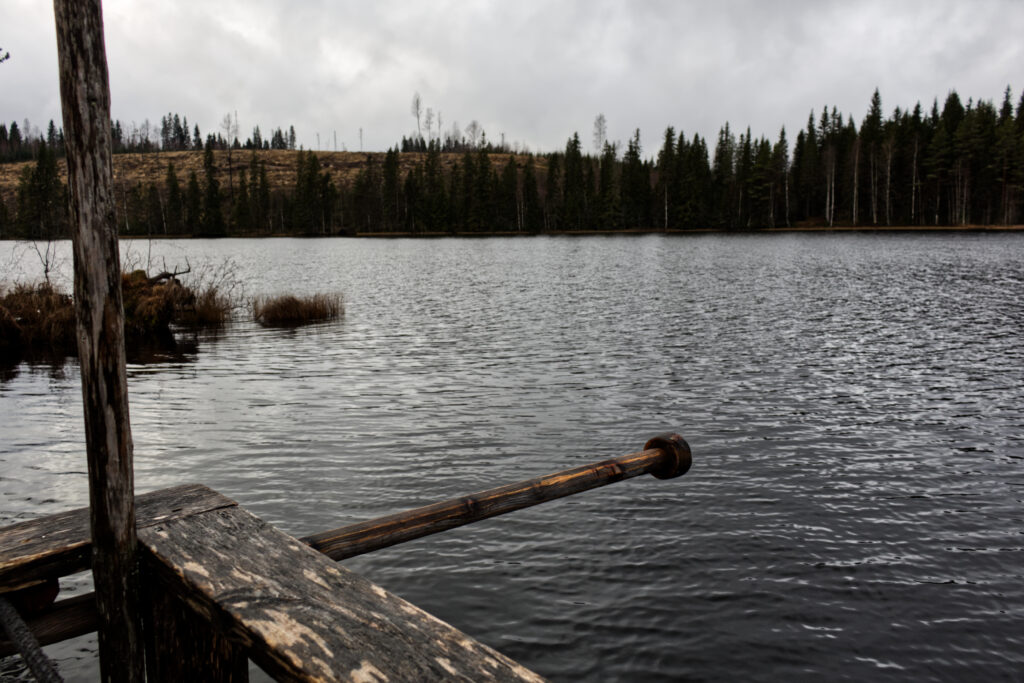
(149, 306)
(152, 304)
(212, 308)
(38, 320)
(288, 310)
(217, 290)
(36, 317)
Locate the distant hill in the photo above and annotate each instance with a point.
(151, 167)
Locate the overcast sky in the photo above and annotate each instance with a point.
(535, 71)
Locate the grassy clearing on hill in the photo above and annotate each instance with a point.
(133, 168)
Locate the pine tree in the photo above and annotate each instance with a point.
(609, 194)
(668, 180)
(212, 216)
(456, 202)
(259, 195)
(367, 205)
(42, 206)
(574, 187)
(699, 181)
(241, 217)
(193, 205)
(155, 221)
(553, 194)
(484, 191)
(468, 208)
(392, 195)
(636, 186)
(744, 180)
(435, 201)
(780, 181)
(508, 204)
(175, 205)
(723, 176)
(532, 212)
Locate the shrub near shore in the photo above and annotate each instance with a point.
(38, 320)
(288, 310)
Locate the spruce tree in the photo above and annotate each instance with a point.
(212, 215)
(193, 205)
(667, 186)
(240, 214)
(175, 204)
(553, 194)
(508, 205)
(609, 205)
(574, 196)
(392, 190)
(636, 186)
(723, 179)
(533, 213)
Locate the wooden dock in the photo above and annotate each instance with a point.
(221, 587)
(189, 584)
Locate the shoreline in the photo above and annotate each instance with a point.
(585, 233)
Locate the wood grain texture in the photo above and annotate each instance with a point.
(59, 545)
(300, 616)
(382, 532)
(181, 645)
(85, 104)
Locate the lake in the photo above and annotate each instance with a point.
(854, 402)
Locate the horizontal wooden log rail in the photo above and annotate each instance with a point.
(41, 550)
(664, 457)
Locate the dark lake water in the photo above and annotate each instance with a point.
(855, 405)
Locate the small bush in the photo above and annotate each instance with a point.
(288, 310)
(38, 320)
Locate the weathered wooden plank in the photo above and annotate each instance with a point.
(58, 545)
(99, 315)
(181, 645)
(300, 616)
(665, 456)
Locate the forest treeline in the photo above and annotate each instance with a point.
(954, 165)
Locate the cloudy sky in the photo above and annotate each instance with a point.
(535, 71)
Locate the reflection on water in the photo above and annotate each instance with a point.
(853, 403)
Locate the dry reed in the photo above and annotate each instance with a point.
(287, 310)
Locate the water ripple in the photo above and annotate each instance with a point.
(853, 403)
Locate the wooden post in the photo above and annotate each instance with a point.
(85, 100)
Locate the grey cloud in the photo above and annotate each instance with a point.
(536, 71)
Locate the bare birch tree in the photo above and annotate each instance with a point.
(600, 133)
(428, 120)
(417, 104)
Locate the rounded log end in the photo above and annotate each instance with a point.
(677, 458)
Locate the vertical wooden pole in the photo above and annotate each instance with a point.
(85, 99)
